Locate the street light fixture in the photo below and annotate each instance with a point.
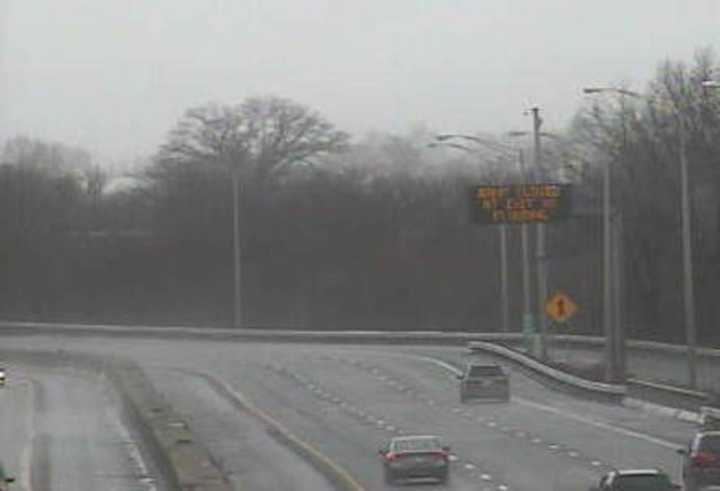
(443, 140)
(616, 90)
(544, 134)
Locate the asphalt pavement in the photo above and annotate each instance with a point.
(61, 431)
(344, 401)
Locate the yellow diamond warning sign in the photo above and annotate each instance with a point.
(560, 307)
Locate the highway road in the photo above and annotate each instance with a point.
(61, 431)
(345, 400)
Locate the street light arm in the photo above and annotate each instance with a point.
(615, 90)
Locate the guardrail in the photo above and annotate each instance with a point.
(604, 391)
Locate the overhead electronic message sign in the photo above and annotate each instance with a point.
(520, 203)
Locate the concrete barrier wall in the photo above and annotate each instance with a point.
(651, 361)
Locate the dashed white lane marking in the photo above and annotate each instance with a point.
(520, 434)
(537, 440)
(491, 424)
(469, 467)
(502, 487)
(569, 415)
(390, 428)
(553, 447)
(486, 477)
(596, 463)
(453, 458)
(573, 454)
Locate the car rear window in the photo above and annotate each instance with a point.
(710, 443)
(655, 482)
(417, 445)
(485, 371)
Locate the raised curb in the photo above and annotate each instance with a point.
(671, 412)
(190, 465)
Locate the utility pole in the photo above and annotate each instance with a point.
(541, 254)
(237, 296)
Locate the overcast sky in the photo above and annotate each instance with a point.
(115, 75)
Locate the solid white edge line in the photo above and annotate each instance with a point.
(133, 449)
(27, 453)
(575, 417)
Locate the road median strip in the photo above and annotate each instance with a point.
(166, 437)
(338, 476)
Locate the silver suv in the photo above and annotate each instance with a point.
(484, 381)
(619, 480)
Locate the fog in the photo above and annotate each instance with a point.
(113, 77)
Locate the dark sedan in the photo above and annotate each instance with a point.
(413, 457)
(484, 381)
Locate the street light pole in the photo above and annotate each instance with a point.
(607, 277)
(541, 253)
(443, 140)
(237, 297)
(613, 336)
(505, 294)
(688, 276)
(525, 243)
(689, 298)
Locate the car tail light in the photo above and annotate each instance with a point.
(390, 456)
(705, 459)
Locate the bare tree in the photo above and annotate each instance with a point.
(262, 137)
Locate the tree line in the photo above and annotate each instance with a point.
(367, 234)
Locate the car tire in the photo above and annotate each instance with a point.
(389, 478)
(444, 478)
